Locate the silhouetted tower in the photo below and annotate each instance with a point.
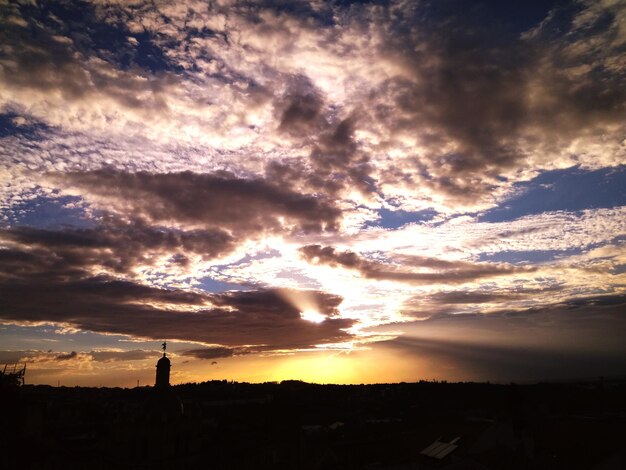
(163, 370)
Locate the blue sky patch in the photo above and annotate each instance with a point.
(619, 269)
(396, 219)
(12, 124)
(522, 257)
(45, 337)
(517, 17)
(109, 41)
(208, 284)
(45, 212)
(571, 189)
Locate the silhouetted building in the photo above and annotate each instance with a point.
(276, 426)
(163, 370)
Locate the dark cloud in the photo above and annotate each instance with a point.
(592, 317)
(116, 356)
(465, 297)
(111, 245)
(109, 306)
(221, 352)
(12, 357)
(221, 200)
(39, 285)
(445, 272)
(210, 353)
(57, 276)
(302, 115)
(485, 296)
(51, 52)
(482, 91)
(36, 356)
(35, 51)
(336, 162)
(462, 360)
(224, 352)
(483, 101)
(7, 357)
(578, 338)
(66, 357)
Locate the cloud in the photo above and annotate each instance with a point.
(469, 237)
(489, 299)
(43, 284)
(337, 156)
(440, 271)
(336, 162)
(12, 357)
(109, 306)
(105, 355)
(221, 352)
(301, 115)
(469, 297)
(573, 339)
(66, 357)
(113, 246)
(49, 357)
(210, 353)
(220, 200)
(423, 106)
(54, 65)
(481, 105)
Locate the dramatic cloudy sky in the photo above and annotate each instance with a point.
(331, 191)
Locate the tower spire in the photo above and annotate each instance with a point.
(163, 369)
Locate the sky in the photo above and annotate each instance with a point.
(328, 191)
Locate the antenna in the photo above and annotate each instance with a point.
(164, 346)
(13, 374)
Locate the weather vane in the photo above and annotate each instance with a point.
(164, 346)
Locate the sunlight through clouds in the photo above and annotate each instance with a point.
(263, 181)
